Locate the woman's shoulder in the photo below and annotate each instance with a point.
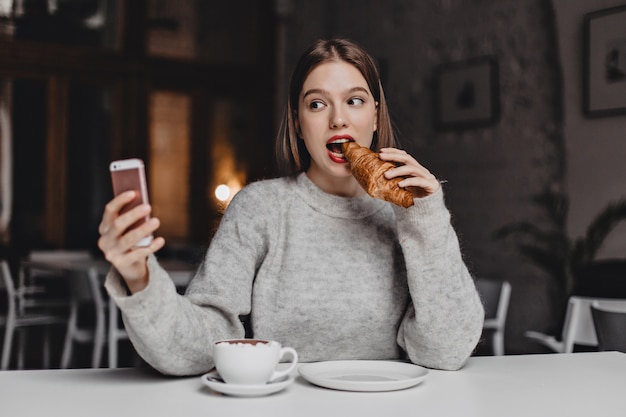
(271, 185)
(264, 192)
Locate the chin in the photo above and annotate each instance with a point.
(342, 173)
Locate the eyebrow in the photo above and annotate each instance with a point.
(324, 92)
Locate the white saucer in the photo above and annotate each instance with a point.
(216, 383)
(363, 375)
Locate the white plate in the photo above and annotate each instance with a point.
(362, 375)
(215, 382)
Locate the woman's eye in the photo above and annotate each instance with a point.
(316, 105)
(355, 101)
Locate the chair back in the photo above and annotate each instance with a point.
(495, 296)
(45, 286)
(7, 285)
(610, 326)
(85, 292)
(85, 287)
(578, 328)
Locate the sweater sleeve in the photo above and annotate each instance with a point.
(175, 333)
(443, 322)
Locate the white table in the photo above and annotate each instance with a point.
(578, 384)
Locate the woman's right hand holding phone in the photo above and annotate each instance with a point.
(119, 244)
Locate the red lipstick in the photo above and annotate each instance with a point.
(333, 145)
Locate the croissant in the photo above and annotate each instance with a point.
(369, 170)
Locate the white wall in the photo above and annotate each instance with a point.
(596, 148)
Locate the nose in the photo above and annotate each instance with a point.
(337, 119)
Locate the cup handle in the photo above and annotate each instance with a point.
(294, 361)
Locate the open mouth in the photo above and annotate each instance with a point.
(335, 146)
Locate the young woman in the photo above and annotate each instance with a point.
(310, 259)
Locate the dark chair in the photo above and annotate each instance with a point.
(578, 328)
(610, 326)
(495, 296)
(601, 279)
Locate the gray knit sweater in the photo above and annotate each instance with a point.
(333, 277)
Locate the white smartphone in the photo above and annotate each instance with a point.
(129, 174)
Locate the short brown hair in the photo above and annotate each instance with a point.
(292, 155)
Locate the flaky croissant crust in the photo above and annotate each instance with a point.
(369, 170)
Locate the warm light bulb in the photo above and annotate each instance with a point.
(222, 192)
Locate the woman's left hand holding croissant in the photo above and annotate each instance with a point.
(417, 178)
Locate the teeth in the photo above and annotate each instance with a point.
(335, 147)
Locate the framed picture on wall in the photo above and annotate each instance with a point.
(604, 70)
(466, 94)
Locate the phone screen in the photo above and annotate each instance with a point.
(126, 175)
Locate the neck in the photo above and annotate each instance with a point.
(340, 186)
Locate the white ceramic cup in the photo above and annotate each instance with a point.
(251, 361)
